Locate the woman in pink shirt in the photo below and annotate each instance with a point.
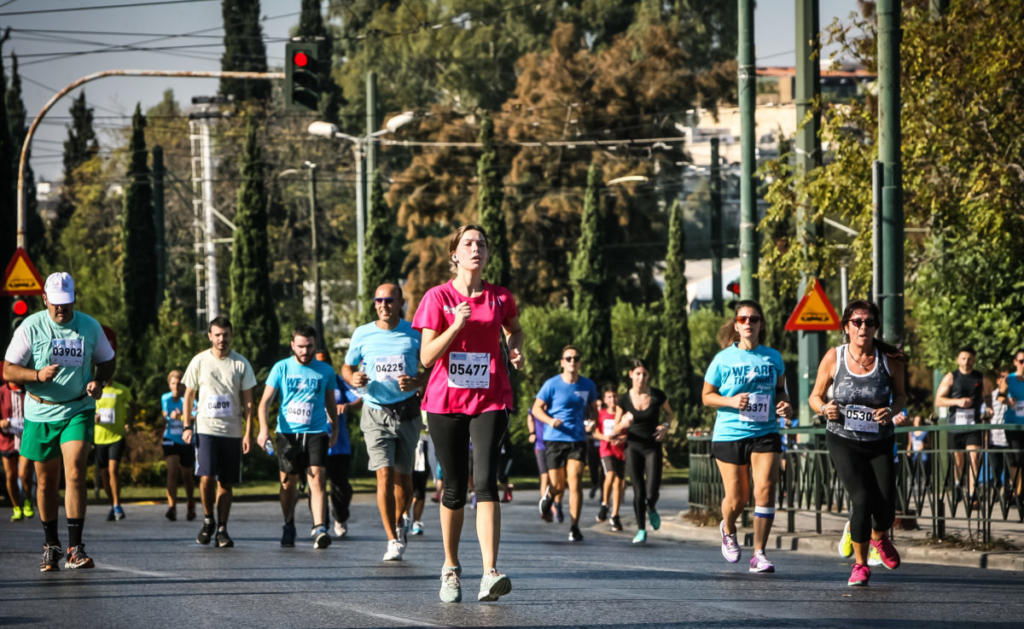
(468, 397)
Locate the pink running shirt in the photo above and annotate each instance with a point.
(604, 448)
(470, 376)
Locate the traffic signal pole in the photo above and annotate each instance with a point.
(193, 74)
(747, 75)
(889, 142)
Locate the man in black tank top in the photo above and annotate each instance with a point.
(961, 392)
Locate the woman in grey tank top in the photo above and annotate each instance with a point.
(868, 392)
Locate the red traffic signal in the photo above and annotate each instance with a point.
(20, 307)
(733, 287)
(300, 59)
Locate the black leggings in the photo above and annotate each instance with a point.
(338, 466)
(451, 434)
(643, 460)
(868, 472)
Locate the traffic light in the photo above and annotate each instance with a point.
(19, 310)
(733, 287)
(303, 68)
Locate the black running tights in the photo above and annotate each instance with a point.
(452, 434)
(643, 460)
(868, 472)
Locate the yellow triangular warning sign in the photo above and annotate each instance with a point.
(814, 313)
(21, 277)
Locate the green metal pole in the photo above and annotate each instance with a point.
(158, 223)
(747, 75)
(716, 230)
(810, 345)
(889, 142)
(318, 314)
(371, 126)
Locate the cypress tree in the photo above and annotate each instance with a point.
(488, 203)
(36, 231)
(138, 234)
(377, 266)
(677, 372)
(243, 50)
(79, 148)
(588, 277)
(253, 311)
(311, 27)
(8, 210)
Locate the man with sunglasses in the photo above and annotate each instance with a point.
(382, 363)
(961, 392)
(563, 403)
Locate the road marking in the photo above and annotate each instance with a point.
(387, 617)
(619, 566)
(140, 573)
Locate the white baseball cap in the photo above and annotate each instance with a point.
(60, 289)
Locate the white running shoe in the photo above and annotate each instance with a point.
(340, 529)
(395, 551)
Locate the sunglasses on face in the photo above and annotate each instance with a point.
(871, 323)
(571, 359)
(750, 318)
(383, 300)
(1018, 360)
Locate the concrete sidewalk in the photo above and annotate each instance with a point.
(914, 546)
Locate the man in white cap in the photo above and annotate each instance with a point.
(63, 359)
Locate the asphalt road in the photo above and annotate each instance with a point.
(151, 573)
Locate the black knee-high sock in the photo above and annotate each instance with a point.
(75, 526)
(50, 531)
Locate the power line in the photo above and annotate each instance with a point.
(98, 7)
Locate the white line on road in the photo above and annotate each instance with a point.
(387, 617)
(140, 573)
(619, 566)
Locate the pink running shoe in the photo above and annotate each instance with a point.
(760, 563)
(730, 547)
(890, 556)
(859, 575)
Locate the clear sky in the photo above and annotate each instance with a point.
(58, 41)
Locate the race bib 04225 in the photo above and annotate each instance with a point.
(388, 367)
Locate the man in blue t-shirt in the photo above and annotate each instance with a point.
(179, 456)
(306, 427)
(382, 363)
(563, 403)
(339, 455)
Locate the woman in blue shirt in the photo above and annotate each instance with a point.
(745, 383)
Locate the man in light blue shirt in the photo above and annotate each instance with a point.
(306, 427)
(383, 365)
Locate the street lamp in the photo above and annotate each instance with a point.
(318, 316)
(330, 130)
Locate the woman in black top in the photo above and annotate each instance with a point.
(640, 410)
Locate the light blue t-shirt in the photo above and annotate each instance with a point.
(343, 394)
(1015, 389)
(302, 389)
(756, 371)
(567, 401)
(383, 355)
(172, 434)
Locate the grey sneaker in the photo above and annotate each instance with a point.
(451, 584)
(494, 585)
(395, 551)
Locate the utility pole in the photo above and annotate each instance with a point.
(158, 223)
(747, 75)
(889, 142)
(202, 179)
(318, 314)
(810, 345)
(715, 186)
(364, 174)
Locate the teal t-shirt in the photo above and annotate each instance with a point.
(384, 355)
(303, 393)
(40, 341)
(756, 371)
(1015, 389)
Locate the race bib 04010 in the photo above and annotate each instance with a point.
(67, 352)
(758, 409)
(388, 367)
(963, 416)
(299, 413)
(860, 418)
(469, 370)
(220, 406)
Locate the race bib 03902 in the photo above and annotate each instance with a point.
(67, 352)
(469, 370)
(299, 413)
(758, 409)
(860, 418)
(388, 367)
(963, 416)
(220, 406)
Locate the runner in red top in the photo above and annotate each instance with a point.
(612, 448)
(468, 397)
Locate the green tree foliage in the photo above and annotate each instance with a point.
(311, 26)
(588, 275)
(8, 210)
(35, 229)
(253, 311)
(243, 50)
(677, 373)
(377, 267)
(546, 330)
(962, 180)
(80, 147)
(636, 333)
(138, 232)
(489, 197)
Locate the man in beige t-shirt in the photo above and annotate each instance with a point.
(224, 381)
